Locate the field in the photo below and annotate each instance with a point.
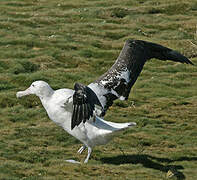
(63, 42)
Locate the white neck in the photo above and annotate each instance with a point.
(44, 97)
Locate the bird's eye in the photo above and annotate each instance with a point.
(33, 85)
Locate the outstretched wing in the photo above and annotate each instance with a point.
(119, 79)
(84, 102)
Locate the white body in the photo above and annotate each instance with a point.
(59, 105)
(59, 110)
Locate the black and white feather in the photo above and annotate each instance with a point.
(117, 82)
(84, 102)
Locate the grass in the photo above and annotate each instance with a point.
(63, 42)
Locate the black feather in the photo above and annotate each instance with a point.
(84, 100)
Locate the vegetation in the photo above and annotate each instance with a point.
(63, 42)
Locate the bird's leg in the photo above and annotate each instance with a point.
(81, 149)
(89, 153)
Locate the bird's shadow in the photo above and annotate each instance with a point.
(150, 162)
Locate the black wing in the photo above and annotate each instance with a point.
(118, 81)
(84, 101)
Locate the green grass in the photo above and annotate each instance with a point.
(63, 42)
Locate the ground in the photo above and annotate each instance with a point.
(63, 42)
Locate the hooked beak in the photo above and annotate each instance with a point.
(23, 93)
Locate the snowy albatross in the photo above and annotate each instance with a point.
(80, 111)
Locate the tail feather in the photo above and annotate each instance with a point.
(120, 126)
(112, 126)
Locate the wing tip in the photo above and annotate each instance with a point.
(179, 57)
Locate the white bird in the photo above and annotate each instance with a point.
(80, 111)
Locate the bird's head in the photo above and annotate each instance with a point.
(38, 88)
